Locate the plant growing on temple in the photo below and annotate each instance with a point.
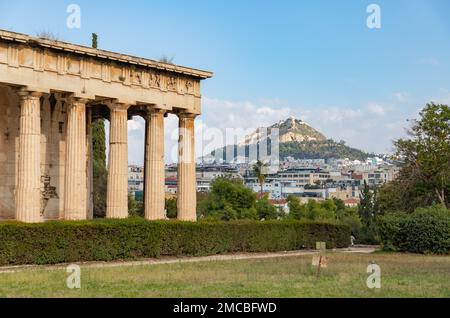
(99, 160)
(47, 35)
(166, 59)
(259, 170)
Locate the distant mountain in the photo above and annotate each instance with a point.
(291, 129)
(300, 141)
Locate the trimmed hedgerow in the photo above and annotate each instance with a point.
(106, 240)
(427, 230)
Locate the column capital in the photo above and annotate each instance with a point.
(78, 100)
(157, 111)
(117, 106)
(25, 94)
(71, 98)
(185, 115)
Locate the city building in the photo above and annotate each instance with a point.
(136, 182)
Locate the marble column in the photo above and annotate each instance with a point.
(117, 193)
(28, 191)
(90, 165)
(75, 185)
(186, 193)
(154, 166)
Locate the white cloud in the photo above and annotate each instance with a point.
(365, 127)
(401, 97)
(358, 127)
(376, 109)
(137, 123)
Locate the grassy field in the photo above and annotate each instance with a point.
(402, 275)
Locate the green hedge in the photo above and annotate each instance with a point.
(107, 240)
(427, 230)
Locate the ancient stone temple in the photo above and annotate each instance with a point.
(50, 94)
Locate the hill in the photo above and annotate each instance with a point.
(300, 141)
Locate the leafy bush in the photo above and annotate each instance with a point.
(107, 240)
(312, 210)
(427, 230)
(229, 199)
(389, 226)
(266, 210)
(171, 208)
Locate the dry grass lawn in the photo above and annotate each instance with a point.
(402, 275)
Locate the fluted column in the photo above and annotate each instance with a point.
(186, 193)
(75, 197)
(117, 193)
(28, 192)
(154, 166)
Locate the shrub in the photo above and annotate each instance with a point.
(171, 208)
(266, 210)
(229, 199)
(107, 240)
(427, 230)
(389, 226)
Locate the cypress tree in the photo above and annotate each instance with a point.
(99, 160)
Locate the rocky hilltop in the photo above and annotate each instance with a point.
(300, 141)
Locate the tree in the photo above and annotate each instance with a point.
(260, 173)
(368, 211)
(424, 178)
(426, 154)
(265, 210)
(367, 205)
(94, 40)
(295, 208)
(229, 199)
(100, 173)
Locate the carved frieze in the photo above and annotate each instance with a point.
(89, 67)
(155, 79)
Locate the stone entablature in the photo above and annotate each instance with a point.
(46, 65)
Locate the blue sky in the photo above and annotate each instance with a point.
(315, 60)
